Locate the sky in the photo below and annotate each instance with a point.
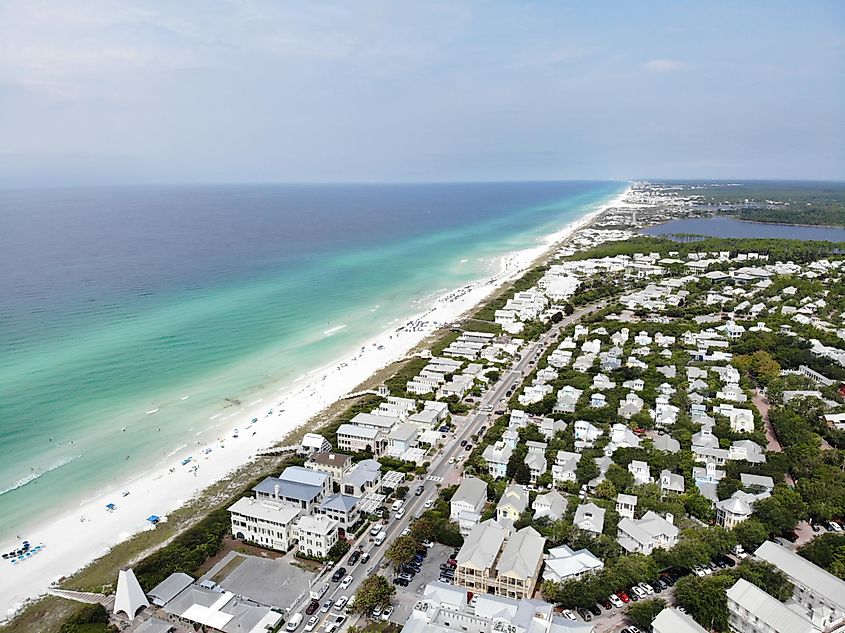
(97, 92)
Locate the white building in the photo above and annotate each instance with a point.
(270, 524)
(317, 535)
(467, 503)
(564, 564)
(752, 610)
(648, 533)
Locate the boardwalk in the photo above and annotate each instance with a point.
(84, 596)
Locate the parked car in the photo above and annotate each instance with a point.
(608, 605)
(790, 536)
(341, 602)
(624, 597)
(312, 607)
(377, 611)
(585, 615)
(312, 622)
(346, 582)
(615, 601)
(833, 526)
(400, 581)
(647, 588)
(569, 615)
(638, 591)
(595, 610)
(385, 615)
(816, 527)
(327, 605)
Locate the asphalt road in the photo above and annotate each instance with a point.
(439, 470)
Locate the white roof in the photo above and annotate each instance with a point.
(804, 572)
(267, 510)
(672, 621)
(482, 545)
(777, 616)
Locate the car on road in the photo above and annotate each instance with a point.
(463, 442)
(568, 614)
(429, 503)
(312, 607)
(339, 573)
(400, 513)
(327, 605)
(312, 623)
(615, 601)
(346, 582)
(294, 622)
(365, 557)
(419, 491)
(468, 447)
(406, 531)
(341, 602)
(354, 556)
(375, 529)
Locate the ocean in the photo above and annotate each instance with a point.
(131, 318)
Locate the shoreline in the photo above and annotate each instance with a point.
(290, 408)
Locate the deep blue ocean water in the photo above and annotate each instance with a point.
(116, 301)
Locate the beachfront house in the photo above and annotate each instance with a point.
(364, 478)
(267, 523)
(300, 487)
(335, 465)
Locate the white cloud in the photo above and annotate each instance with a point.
(664, 65)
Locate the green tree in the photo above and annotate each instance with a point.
(401, 550)
(699, 506)
(705, 599)
(423, 529)
(750, 534)
(522, 475)
(643, 613)
(338, 550)
(374, 591)
(782, 511)
(606, 490)
(586, 469)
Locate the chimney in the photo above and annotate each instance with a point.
(670, 518)
(276, 490)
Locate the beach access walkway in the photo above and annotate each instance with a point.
(84, 596)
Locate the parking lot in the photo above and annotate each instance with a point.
(406, 597)
(267, 581)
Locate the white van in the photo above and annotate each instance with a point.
(380, 538)
(294, 622)
(397, 504)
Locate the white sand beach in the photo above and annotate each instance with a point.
(85, 533)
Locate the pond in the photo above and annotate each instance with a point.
(729, 227)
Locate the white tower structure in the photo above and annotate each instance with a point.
(130, 598)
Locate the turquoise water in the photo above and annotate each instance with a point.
(116, 302)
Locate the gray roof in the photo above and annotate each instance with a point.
(365, 471)
(168, 588)
(514, 495)
(482, 545)
(154, 625)
(294, 483)
(339, 502)
(471, 491)
(803, 572)
(672, 621)
(776, 615)
(757, 480)
(522, 554)
(667, 443)
(594, 522)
